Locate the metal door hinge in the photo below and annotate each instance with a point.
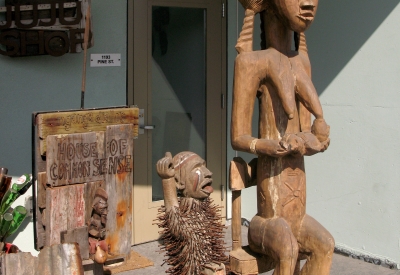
(222, 101)
(223, 10)
(222, 192)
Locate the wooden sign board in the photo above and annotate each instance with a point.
(83, 121)
(75, 152)
(75, 158)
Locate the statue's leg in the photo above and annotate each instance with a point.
(318, 244)
(274, 238)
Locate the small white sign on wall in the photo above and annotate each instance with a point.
(105, 60)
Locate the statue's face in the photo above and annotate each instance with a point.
(101, 209)
(296, 14)
(197, 179)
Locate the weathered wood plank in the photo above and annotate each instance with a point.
(75, 158)
(80, 236)
(41, 189)
(119, 182)
(65, 209)
(84, 121)
(22, 263)
(52, 260)
(60, 259)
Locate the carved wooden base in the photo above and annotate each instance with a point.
(243, 261)
(214, 269)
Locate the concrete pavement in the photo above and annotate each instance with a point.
(341, 265)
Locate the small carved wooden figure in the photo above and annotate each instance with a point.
(192, 229)
(97, 227)
(280, 78)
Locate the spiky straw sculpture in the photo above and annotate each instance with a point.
(192, 232)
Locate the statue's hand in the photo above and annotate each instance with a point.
(312, 144)
(165, 168)
(271, 148)
(294, 144)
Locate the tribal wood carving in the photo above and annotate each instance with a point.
(97, 227)
(192, 232)
(280, 78)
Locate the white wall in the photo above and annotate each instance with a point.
(23, 237)
(353, 187)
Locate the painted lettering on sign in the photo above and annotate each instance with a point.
(78, 158)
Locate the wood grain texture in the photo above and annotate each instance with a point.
(119, 183)
(60, 259)
(75, 158)
(77, 235)
(279, 78)
(83, 121)
(22, 263)
(41, 189)
(65, 210)
(52, 260)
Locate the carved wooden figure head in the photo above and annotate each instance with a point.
(192, 177)
(100, 204)
(297, 15)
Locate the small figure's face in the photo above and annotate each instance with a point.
(197, 179)
(296, 14)
(101, 209)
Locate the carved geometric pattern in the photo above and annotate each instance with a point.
(296, 193)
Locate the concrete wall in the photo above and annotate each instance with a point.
(42, 83)
(353, 187)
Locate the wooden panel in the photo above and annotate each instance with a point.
(83, 121)
(41, 189)
(119, 182)
(75, 158)
(246, 262)
(60, 260)
(65, 209)
(54, 260)
(79, 236)
(22, 263)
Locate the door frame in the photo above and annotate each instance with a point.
(139, 84)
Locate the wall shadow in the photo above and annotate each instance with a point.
(340, 29)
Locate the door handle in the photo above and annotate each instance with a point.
(143, 127)
(147, 127)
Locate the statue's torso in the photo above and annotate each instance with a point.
(281, 190)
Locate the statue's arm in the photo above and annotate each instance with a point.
(166, 171)
(246, 84)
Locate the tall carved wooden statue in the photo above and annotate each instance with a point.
(280, 78)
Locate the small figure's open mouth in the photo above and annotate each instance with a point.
(206, 186)
(306, 16)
